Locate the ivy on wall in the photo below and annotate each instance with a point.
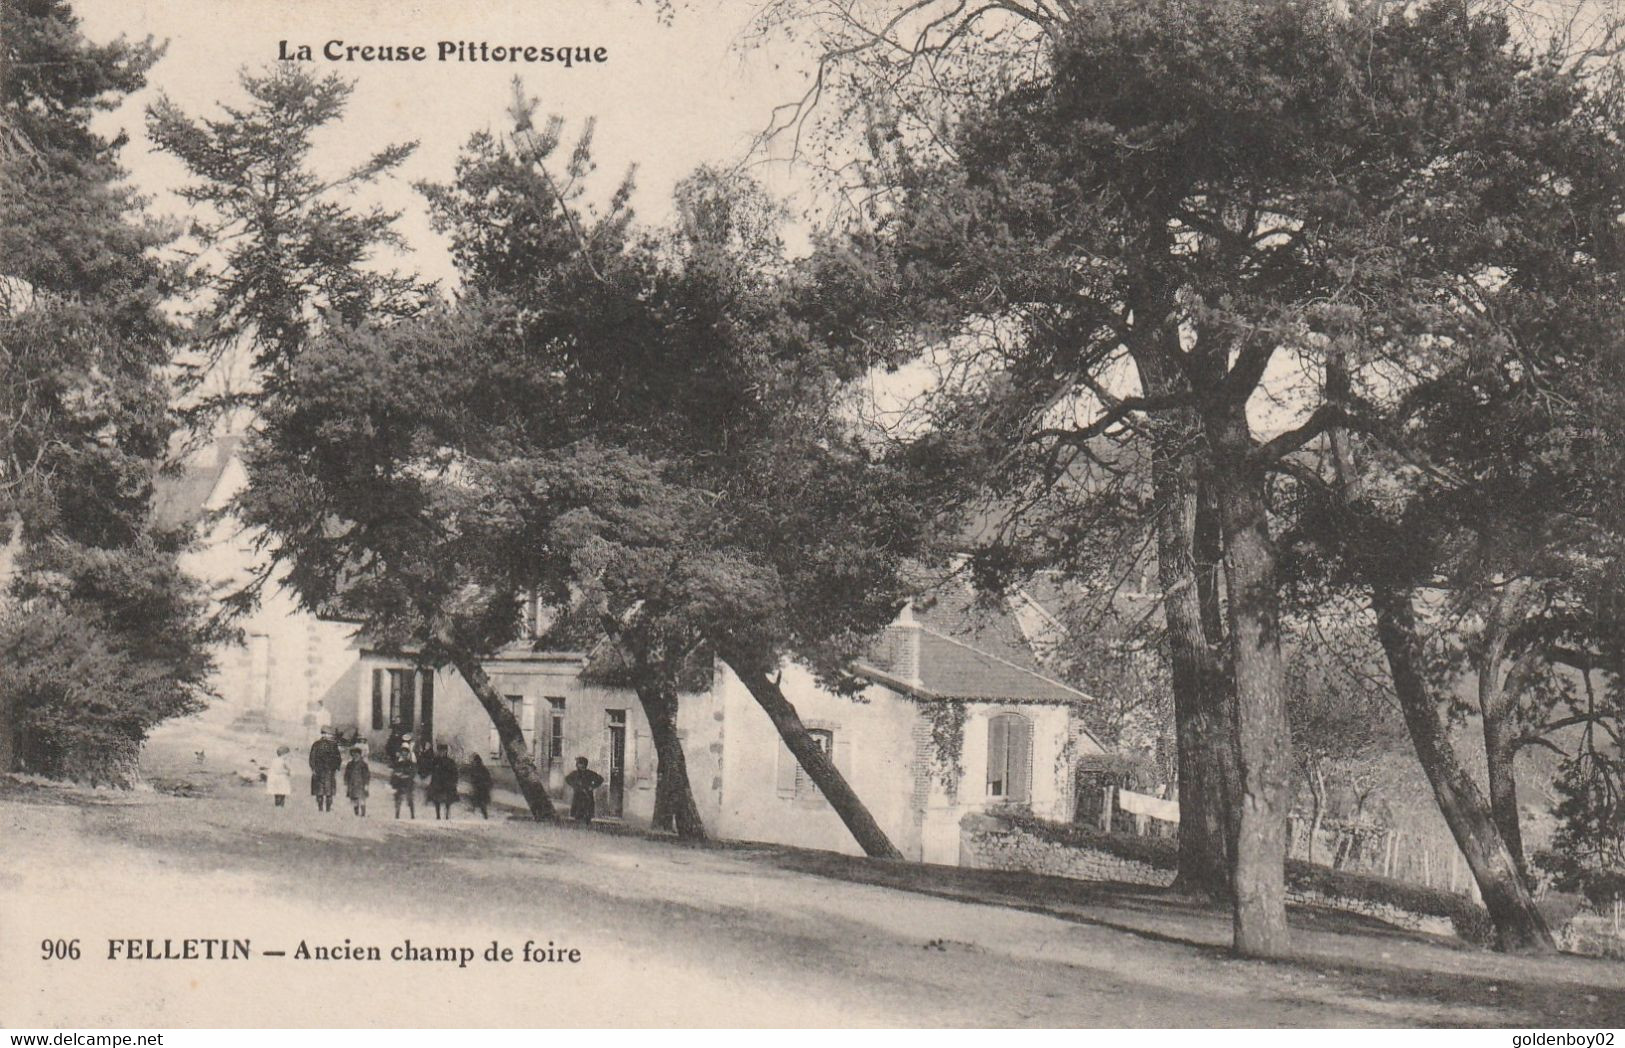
(948, 742)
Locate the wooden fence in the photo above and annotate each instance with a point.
(1385, 851)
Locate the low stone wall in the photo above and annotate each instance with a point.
(993, 843)
(1592, 935)
(1382, 911)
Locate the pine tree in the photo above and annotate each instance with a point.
(103, 635)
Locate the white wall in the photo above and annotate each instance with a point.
(878, 761)
(289, 659)
(461, 721)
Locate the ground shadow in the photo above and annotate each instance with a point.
(1374, 958)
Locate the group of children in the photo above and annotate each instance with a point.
(440, 768)
(437, 765)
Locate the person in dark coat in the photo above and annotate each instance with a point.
(357, 778)
(403, 778)
(397, 738)
(442, 782)
(424, 755)
(479, 786)
(583, 781)
(325, 762)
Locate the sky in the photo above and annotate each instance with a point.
(672, 94)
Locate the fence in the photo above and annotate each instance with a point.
(1384, 851)
(1357, 847)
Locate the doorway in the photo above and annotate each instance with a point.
(615, 761)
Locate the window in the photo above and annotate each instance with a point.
(793, 778)
(392, 692)
(400, 696)
(555, 728)
(826, 745)
(1009, 758)
(516, 706)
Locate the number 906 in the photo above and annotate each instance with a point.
(59, 949)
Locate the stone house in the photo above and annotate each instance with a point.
(959, 715)
(946, 727)
(293, 668)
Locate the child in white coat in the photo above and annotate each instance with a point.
(279, 777)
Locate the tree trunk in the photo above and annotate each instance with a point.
(10, 737)
(512, 737)
(1203, 724)
(1188, 550)
(1519, 927)
(674, 797)
(10, 749)
(1317, 790)
(1260, 687)
(1500, 753)
(818, 766)
(1498, 697)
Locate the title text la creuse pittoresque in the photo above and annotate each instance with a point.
(445, 51)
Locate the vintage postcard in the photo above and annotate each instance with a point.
(811, 513)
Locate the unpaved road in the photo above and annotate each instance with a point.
(667, 934)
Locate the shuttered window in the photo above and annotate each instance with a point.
(1009, 758)
(555, 729)
(393, 691)
(400, 697)
(793, 780)
(644, 760)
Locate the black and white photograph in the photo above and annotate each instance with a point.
(1019, 514)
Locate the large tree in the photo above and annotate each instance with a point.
(1148, 243)
(1455, 468)
(635, 429)
(113, 638)
(279, 249)
(1113, 250)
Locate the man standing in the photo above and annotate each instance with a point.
(442, 782)
(583, 781)
(325, 762)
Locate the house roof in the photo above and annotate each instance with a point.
(969, 650)
(181, 497)
(953, 612)
(951, 668)
(954, 670)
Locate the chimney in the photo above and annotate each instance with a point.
(904, 635)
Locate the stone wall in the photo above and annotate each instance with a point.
(993, 843)
(1382, 911)
(1593, 935)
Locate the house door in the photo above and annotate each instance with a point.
(615, 761)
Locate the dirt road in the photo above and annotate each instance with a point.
(667, 934)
